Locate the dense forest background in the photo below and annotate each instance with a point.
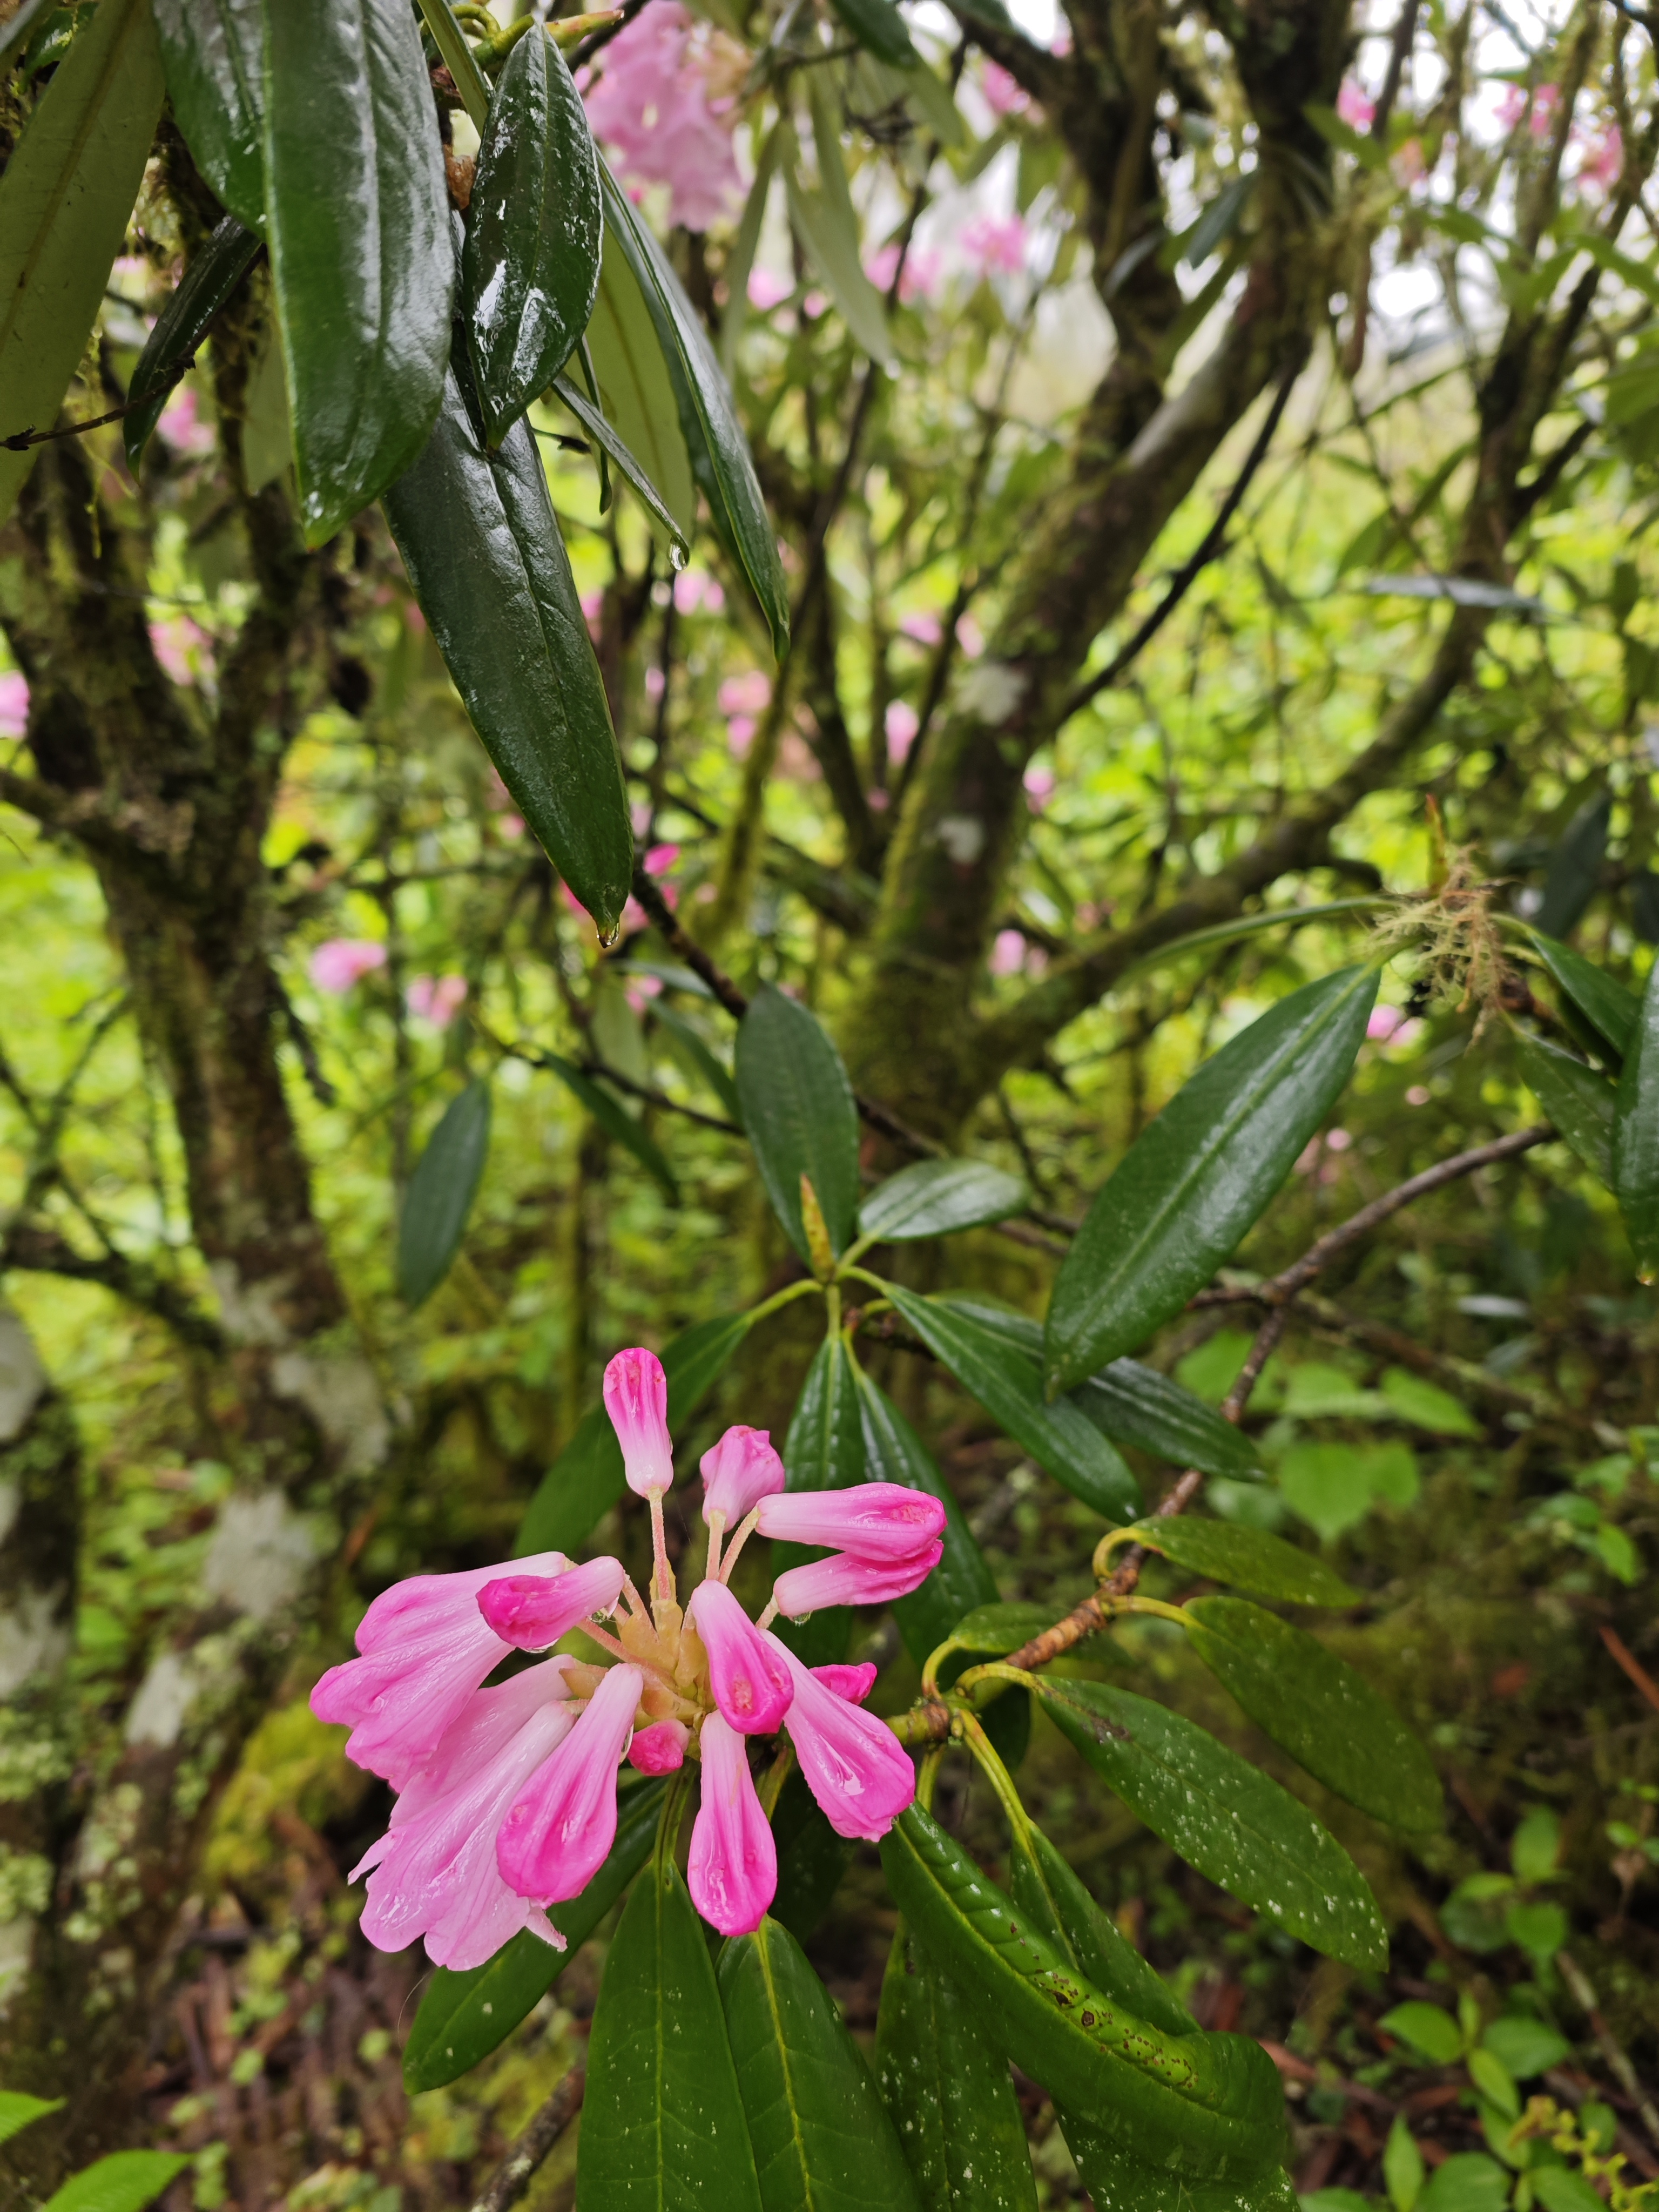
(1213, 450)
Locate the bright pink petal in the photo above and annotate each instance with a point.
(660, 1748)
(843, 1580)
(486, 1725)
(423, 1602)
(732, 1872)
(851, 1762)
(533, 1612)
(750, 1686)
(436, 1874)
(853, 1684)
(874, 1521)
(737, 1472)
(561, 1825)
(636, 1399)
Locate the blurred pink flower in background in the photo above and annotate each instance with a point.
(767, 289)
(654, 681)
(971, 637)
(996, 243)
(1545, 105)
(179, 645)
(815, 304)
(922, 629)
(436, 999)
(593, 607)
(924, 271)
(741, 699)
(653, 103)
(1604, 159)
(13, 703)
(1039, 788)
(900, 723)
(1408, 163)
(1392, 1025)
(694, 589)
(1007, 953)
(660, 859)
(343, 961)
(181, 425)
(1003, 94)
(1355, 110)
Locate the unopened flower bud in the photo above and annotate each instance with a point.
(752, 1686)
(877, 1521)
(819, 1249)
(737, 1472)
(843, 1580)
(533, 1612)
(636, 1399)
(660, 1748)
(732, 1870)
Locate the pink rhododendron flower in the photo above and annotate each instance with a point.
(562, 1822)
(436, 999)
(996, 244)
(1545, 106)
(922, 629)
(851, 1762)
(1008, 951)
(13, 703)
(874, 1521)
(1392, 1025)
(659, 102)
(1409, 165)
(1603, 163)
(1004, 94)
(841, 1579)
(636, 1399)
(180, 645)
(748, 693)
(750, 1685)
(767, 289)
(740, 736)
(901, 722)
(343, 961)
(506, 1795)
(1039, 788)
(971, 637)
(732, 1872)
(922, 275)
(660, 859)
(180, 424)
(694, 589)
(737, 1472)
(1355, 110)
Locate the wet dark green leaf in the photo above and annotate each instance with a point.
(662, 2122)
(1579, 1102)
(1224, 1817)
(1118, 2182)
(1043, 1886)
(998, 1628)
(440, 1194)
(210, 280)
(1608, 1007)
(464, 2017)
(893, 1452)
(1197, 1178)
(1636, 1135)
(65, 196)
(879, 29)
(530, 272)
(1575, 867)
(214, 53)
(1320, 1709)
(638, 393)
(936, 1198)
(593, 421)
(358, 220)
(821, 2136)
(483, 553)
(798, 1109)
(1230, 1551)
(586, 1478)
(1005, 1382)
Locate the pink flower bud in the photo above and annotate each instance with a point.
(533, 1612)
(636, 1399)
(851, 1762)
(737, 1472)
(660, 1748)
(851, 1684)
(874, 1521)
(751, 1688)
(732, 1871)
(843, 1580)
(562, 1823)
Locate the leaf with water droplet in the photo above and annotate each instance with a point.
(592, 420)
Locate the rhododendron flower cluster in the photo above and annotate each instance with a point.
(664, 100)
(507, 1791)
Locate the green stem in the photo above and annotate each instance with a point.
(778, 1298)
(674, 1816)
(459, 58)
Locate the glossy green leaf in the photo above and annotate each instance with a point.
(1205, 2106)
(662, 2122)
(820, 2133)
(489, 567)
(440, 1194)
(1044, 1885)
(1575, 868)
(1197, 1178)
(637, 391)
(15, 34)
(1133, 1404)
(64, 199)
(879, 29)
(893, 1452)
(1607, 1006)
(204, 288)
(998, 1628)
(214, 53)
(1224, 1817)
(1059, 1436)
(1635, 1136)
(126, 2181)
(824, 1450)
(831, 240)
(586, 1478)
(464, 2016)
(936, 1198)
(614, 1118)
(812, 1859)
(1230, 1551)
(17, 2111)
(1320, 1709)
(798, 1109)
(530, 271)
(592, 420)
(700, 1058)
(360, 254)
(1579, 1102)
(948, 2090)
(714, 444)
(1119, 2182)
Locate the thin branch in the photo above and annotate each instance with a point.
(518, 2170)
(39, 1251)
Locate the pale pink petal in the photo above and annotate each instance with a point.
(900, 723)
(843, 1580)
(486, 1724)
(636, 1399)
(851, 1762)
(732, 1872)
(874, 1521)
(737, 1472)
(533, 1612)
(562, 1823)
(13, 703)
